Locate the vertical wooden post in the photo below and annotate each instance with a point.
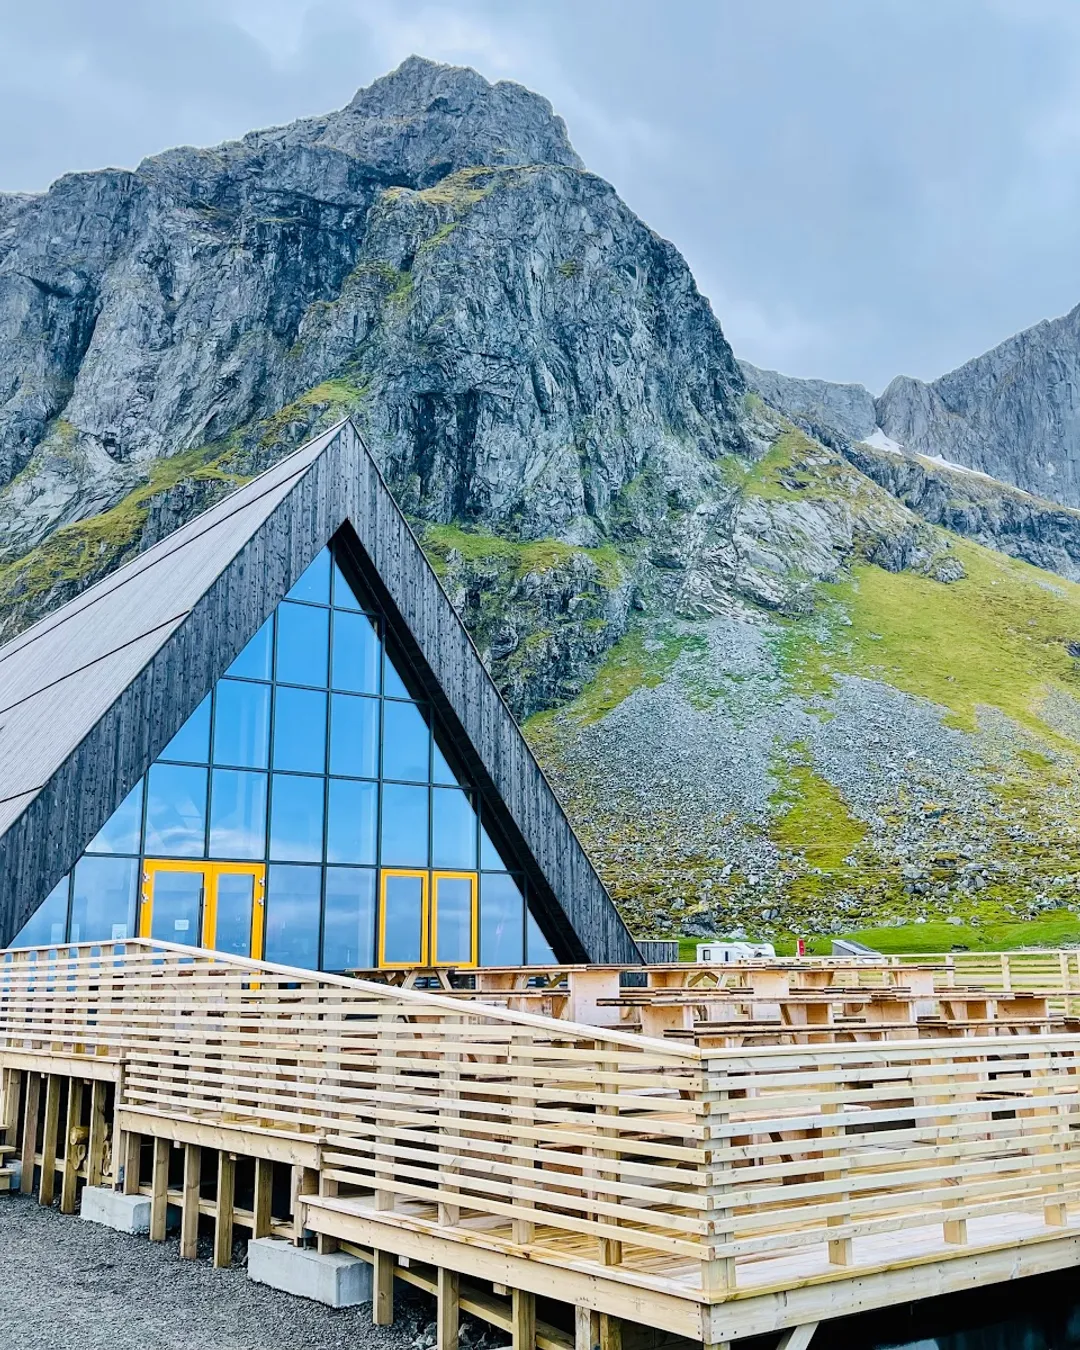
(69, 1182)
(132, 1163)
(523, 1320)
(47, 1189)
(610, 1248)
(264, 1196)
(840, 1249)
(226, 1198)
(448, 1314)
(159, 1190)
(12, 1089)
(586, 1329)
(610, 1332)
(95, 1154)
(31, 1108)
(382, 1306)
(717, 1272)
(324, 1243)
(189, 1213)
(305, 1181)
(450, 1084)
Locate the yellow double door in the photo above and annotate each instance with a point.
(427, 919)
(220, 906)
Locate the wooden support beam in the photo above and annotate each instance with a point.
(69, 1181)
(305, 1181)
(189, 1212)
(798, 1338)
(448, 1314)
(95, 1154)
(523, 1320)
(132, 1162)
(159, 1190)
(226, 1199)
(50, 1130)
(31, 1109)
(586, 1329)
(9, 1107)
(264, 1196)
(382, 1305)
(610, 1332)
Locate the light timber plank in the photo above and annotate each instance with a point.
(159, 1190)
(224, 1217)
(189, 1212)
(50, 1129)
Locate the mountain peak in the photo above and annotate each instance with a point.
(433, 119)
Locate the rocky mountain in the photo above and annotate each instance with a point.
(775, 685)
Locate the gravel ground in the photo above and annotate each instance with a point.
(68, 1285)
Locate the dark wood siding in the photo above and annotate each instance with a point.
(342, 485)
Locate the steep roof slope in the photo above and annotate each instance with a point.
(92, 693)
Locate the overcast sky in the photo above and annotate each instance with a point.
(863, 188)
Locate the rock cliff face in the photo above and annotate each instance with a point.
(823, 407)
(718, 615)
(1013, 413)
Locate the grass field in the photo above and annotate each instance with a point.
(1058, 928)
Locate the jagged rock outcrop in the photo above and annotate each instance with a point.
(1013, 413)
(497, 314)
(822, 407)
(979, 507)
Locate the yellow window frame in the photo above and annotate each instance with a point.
(211, 871)
(474, 954)
(425, 897)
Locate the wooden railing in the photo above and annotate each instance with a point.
(712, 1173)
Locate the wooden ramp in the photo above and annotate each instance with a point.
(499, 1157)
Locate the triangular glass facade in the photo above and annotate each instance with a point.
(306, 812)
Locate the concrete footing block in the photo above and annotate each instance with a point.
(125, 1213)
(335, 1279)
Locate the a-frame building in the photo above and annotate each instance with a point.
(270, 733)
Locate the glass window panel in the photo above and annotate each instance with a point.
(356, 654)
(502, 920)
(241, 724)
(454, 920)
(354, 735)
(192, 742)
(537, 948)
(490, 857)
(350, 823)
(404, 826)
(441, 771)
(255, 660)
(293, 902)
(300, 729)
(344, 595)
(122, 832)
(453, 830)
(393, 684)
(406, 743)
(296, 818)
(237, 814)
(103, 899)
(402, 922)
(349, 919)
(48, 923)
(176, 811)
(303, 644)
(314, 582)
(235, 903)
(177, 910)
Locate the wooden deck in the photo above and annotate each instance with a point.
(496, 1155)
